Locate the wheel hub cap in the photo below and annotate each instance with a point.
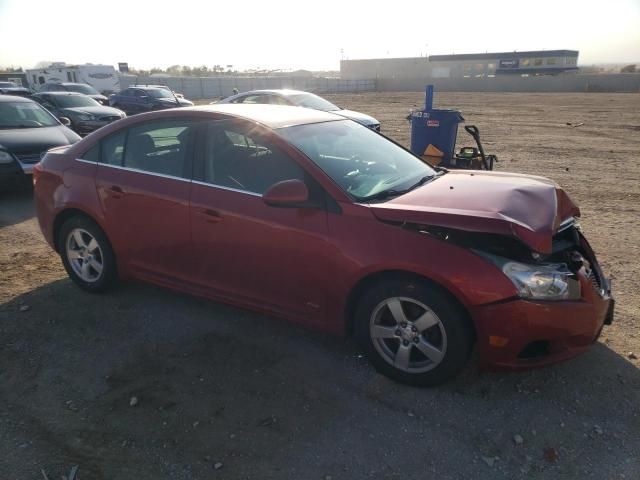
(408, 334)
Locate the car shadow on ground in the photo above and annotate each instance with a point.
(147, 383)
(16, 206)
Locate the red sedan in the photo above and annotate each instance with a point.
(308, 216)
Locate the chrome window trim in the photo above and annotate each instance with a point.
(86, 161)
(145, 172)
(237, 190)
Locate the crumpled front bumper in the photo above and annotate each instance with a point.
(518, 333)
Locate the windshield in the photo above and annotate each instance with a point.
(310, 100)
(86, 89)
(71, 101)
(25, 115)
(7, 85)
(159, 93)
(362, 162)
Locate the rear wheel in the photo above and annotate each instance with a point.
(413, 332)
(87, 255)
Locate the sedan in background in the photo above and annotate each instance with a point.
(308, 216)
(82, 88)
(26, 132)
(298, 98)
(86, 115)
(11, 88)
(141, 99)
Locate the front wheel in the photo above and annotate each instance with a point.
(87, 255)
(413, 332)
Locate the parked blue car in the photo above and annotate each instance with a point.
(140, 99)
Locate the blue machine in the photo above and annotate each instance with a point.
(439, 128)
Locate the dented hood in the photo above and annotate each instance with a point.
(523, 206)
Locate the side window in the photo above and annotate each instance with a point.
(93, 154)
(113, 148)
(160, 147)
(277, 100)
(238, 156)
(254, 99)
(139, 93)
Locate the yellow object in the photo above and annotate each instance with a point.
(432, 155)
(432, 151)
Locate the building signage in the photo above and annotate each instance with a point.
(123, 67)
(512, 63)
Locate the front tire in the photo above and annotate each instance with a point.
(413, 332)
(87, 255)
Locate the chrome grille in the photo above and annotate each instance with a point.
(110, 118)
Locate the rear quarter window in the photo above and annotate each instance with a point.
(93, 154)
(112, 149)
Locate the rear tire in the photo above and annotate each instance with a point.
(87, 255)
(413, 332)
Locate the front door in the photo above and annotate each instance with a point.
(144, 180)
(272, 258)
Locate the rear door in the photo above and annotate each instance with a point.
(144, 180)
(273, 258)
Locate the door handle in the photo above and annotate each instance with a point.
(212, 216)
(116, 191)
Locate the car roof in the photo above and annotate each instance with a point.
(14, 98)
(65, 94)
(148, 87)
(272, 116)
(285, 92)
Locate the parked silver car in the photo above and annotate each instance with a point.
(300, 99)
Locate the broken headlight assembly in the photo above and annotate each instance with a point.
(544, 281)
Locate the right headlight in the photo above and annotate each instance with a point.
(5, 157)
(551, 281)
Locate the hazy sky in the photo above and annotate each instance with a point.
(312, 35)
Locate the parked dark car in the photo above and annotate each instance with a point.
(83, 88)
(11, 88)
(309, 216)
(298, 98)
(179, 95)
(141, 99)
(86, 115)
(26, 131)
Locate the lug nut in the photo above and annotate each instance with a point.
(403, 324)
(405, 342)
(416, 340)
(414, 329)
(398, 333)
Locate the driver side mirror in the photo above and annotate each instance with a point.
(65, 121)
(288, 193)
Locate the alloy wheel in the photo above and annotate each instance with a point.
(408, 334)
(84, 255)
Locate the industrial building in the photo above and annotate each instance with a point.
(540, 62)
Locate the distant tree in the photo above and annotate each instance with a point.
(628, 69)
(174, 69)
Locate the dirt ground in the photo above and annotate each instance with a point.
(227, 394)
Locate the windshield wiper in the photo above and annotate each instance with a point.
(395, 193)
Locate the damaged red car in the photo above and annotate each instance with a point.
(311, 217)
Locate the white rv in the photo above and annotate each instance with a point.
(103, 78)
